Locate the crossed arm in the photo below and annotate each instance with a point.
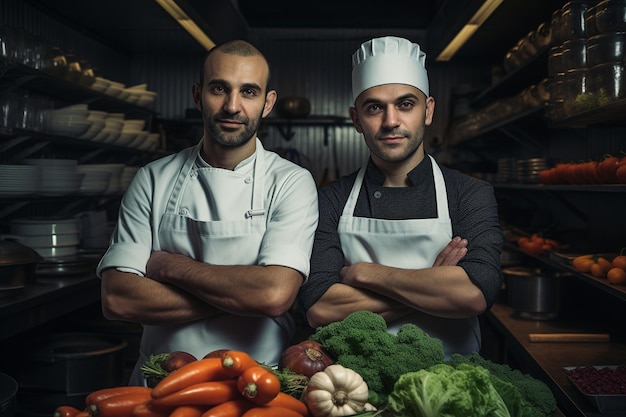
(443, 290)
(179, 289)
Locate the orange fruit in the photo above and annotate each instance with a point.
(616, 276)
(619, 261)
(584, 265)
(597, 270)
(605, 264)
(581, 259)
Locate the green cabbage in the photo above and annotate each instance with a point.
(445, 391)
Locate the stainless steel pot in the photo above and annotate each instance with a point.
(73, 363)
(534, 293)
(18, 264)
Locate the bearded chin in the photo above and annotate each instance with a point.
(230, 139)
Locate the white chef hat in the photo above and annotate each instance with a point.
(388, 60)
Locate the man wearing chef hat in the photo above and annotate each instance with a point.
(212, 243)
(389, 235)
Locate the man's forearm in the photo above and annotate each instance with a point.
(444, 291)
(340, 300)
(128, 297)
(237, 289)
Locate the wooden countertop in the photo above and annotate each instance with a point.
(546, 360)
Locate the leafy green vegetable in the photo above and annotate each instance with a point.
(443, 390)
(537, 398)
(362, 343)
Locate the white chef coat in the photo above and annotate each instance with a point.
(263, 212)
(413, 244)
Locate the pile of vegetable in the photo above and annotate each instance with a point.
(402, 366)
(353, 367)
(361, 342)
(537, 244)
(613, 268)
(233, 385)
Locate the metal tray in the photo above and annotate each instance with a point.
(604, 403)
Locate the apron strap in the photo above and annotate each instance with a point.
(440, 192)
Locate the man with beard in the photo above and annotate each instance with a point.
(213, 243)
(402, 236)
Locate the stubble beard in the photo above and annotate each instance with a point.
(227, 138)
(414, 141)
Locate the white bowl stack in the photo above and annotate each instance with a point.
(52, 238)
(97, 124)
(69, 121)
(19, 180)
(113, 123)
(58, 176)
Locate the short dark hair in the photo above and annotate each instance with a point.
(235, 47)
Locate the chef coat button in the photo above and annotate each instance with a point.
(184, 212)
(377, 194)
(248, 180)
(194, 174)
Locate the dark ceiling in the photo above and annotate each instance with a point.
(142, 25)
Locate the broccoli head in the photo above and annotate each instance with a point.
(362, 343)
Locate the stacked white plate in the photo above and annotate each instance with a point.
(94, 182)
(113, 123)
(146, 97)
(52, 238)
(114, 185)
(131, 130)
(93, 131)
(150, 143)
(19, 180)
(115, 89)
(101, 84)
(58, 176)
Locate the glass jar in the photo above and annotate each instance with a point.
(573, 19)
(611, 16)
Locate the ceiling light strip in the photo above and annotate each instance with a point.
(482, 14)
(186, 22)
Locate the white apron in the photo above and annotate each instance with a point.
(411, 244)
(223, 242)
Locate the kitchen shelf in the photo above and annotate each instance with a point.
(526, 114)
(10, 137)
(15, 75)
(532, 71)
(617, 291)
(611, 113)
(546, 361)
